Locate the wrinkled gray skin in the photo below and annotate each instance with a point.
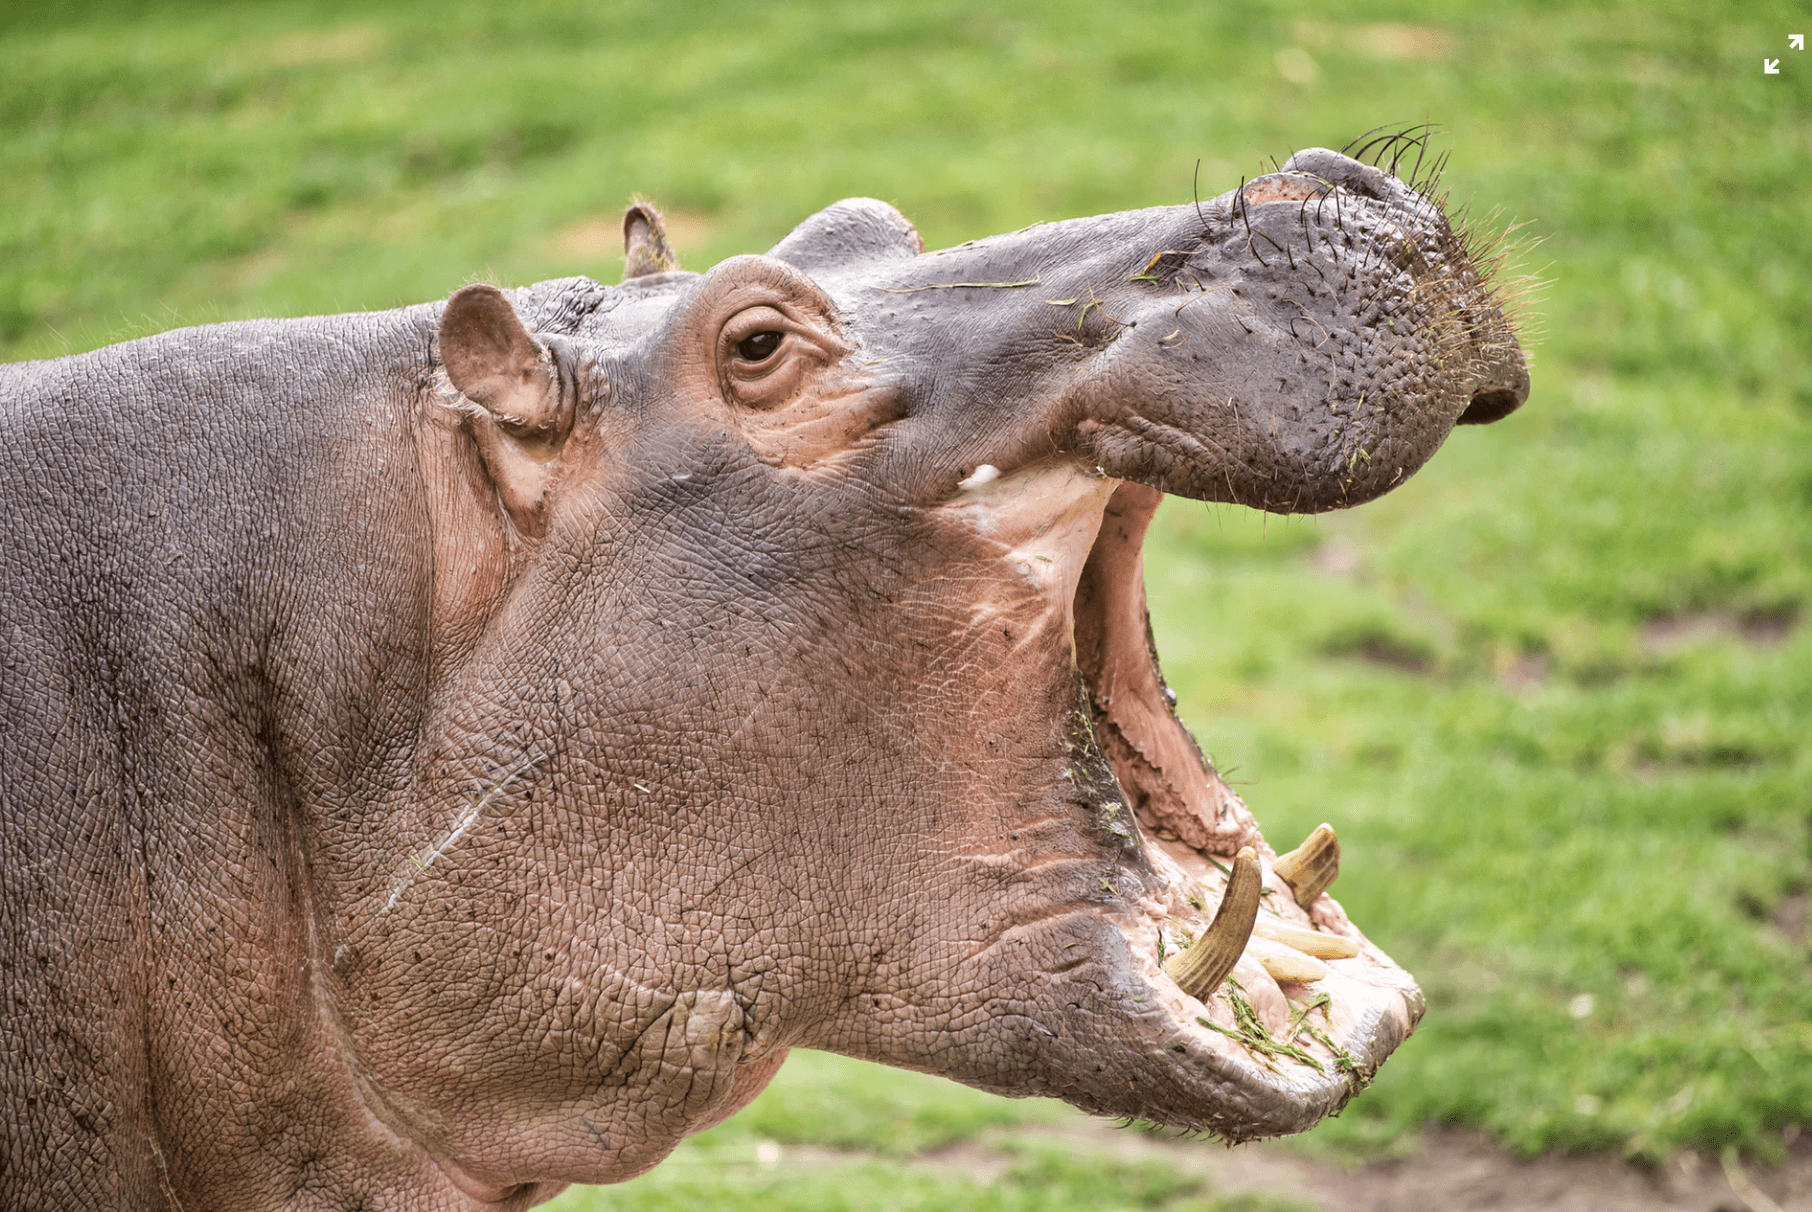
(441, 764)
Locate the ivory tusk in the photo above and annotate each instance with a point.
(1312, 866)
(1201, 969)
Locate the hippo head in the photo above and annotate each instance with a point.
(799, 686)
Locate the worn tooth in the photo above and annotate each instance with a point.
(1309, 942)
(1201, 969)
(1288, 964)
(1312, 866)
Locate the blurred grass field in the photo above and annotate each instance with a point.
(1555, 692)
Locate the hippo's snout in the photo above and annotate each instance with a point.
(1501, 371)
(1303, 343)
(1503, 377)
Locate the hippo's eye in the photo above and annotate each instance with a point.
(764, 354)
(759, 347)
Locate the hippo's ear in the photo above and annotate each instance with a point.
(523, 415)
(851, 232)
(645, 246)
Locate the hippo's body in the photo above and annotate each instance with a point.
(453, 752)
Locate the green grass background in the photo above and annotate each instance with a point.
(1555, 692)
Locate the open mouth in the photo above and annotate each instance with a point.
(1265, 988)
(1251, 948)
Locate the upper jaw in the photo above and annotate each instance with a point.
(1289, 1038)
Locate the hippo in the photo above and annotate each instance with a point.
(455, 752)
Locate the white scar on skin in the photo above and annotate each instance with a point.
(468, 816)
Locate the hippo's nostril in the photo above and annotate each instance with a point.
(1488, 405)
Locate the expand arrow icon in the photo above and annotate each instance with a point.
(1771, 67)
(1796, 41)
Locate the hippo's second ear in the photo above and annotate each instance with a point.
(524, 415)
(850, 232)
(646, 249)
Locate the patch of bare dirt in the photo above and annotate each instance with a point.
(1522, 673)
(1338, 556)
(1461, 1170)
(1446, 1170)
(1757, 627)
(1791, 915)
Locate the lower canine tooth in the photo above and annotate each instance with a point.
(1312, 866)
(1201, 969)
(1309, 942)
